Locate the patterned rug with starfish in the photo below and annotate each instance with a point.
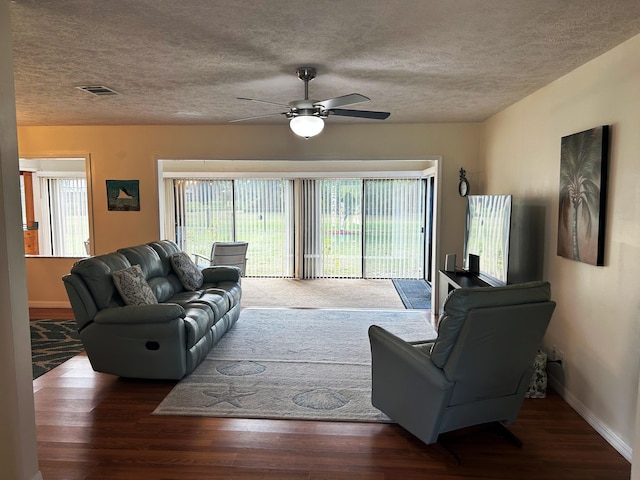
(312, 364)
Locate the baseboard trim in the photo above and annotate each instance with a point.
(39, 304)
(598, 425)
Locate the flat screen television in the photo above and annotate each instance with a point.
(487, 235)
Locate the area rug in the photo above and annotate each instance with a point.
(292, 364)
(414, 293)
(52, 342)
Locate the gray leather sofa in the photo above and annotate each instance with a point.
(163, 340)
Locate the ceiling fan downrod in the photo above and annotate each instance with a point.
(306, 74)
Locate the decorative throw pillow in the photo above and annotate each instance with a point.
(133, 287)
(189, 274)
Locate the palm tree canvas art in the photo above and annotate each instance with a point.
(583, 182)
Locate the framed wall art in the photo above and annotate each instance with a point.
(123, 195)
(584, 159)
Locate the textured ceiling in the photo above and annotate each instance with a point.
(186, 62)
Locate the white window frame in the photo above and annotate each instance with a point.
(71, 166)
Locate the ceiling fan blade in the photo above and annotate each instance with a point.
(350, 99)
(359, 113)
(258, 116)
(263, 101)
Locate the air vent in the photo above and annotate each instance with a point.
(98, 90)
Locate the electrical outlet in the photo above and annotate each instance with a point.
(553, 355)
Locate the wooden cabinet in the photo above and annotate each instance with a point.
(31, 227)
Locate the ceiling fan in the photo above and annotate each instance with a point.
(307, 116)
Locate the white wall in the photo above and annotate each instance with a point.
(596, 323)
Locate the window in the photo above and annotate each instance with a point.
(55, 207)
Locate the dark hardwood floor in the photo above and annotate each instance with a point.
(54, 313)
(96, 426)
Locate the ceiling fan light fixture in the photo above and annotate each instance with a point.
(307, 116)
(306, 126)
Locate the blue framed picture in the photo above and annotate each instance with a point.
(123, 195)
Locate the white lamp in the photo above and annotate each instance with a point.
(306, 125)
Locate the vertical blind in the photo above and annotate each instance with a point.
(394, 228)
(203, 213)
(363, 228)
(257, 211)
(68, 214)
(311, 230)
(332, 215)
(346, 228)
(264, 218)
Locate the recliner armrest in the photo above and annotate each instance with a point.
(419, 343)
(221, 273)
(136, 314)
(406, 385)
(388, 349)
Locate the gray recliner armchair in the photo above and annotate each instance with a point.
(476, 371)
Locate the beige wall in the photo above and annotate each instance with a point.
(596, 323)
(131, 152)
(44, 287)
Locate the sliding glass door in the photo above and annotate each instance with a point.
(394, 228)
(343, 228)
(263, 213)
(332, 228)
(200, 211)
(363, 228)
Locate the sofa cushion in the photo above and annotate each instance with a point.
(96, 271)
(198, 321)
(460, 301)
(164, 249)
(165, 287)
(173, 285)
(218, 303)
(163, 282)
(146, 257)
(189, 274)
(133, 287)
(232, 291)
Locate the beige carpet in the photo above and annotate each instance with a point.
(320, 293)
(312, 364)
